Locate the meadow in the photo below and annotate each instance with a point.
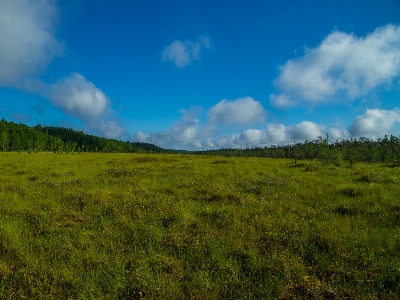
(172, 226)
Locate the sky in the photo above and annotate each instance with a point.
(203, 74)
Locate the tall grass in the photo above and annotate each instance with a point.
(130, 226)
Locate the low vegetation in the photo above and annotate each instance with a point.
(172, 226)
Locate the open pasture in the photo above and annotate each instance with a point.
(136, 226)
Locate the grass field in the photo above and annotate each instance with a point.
(130, 226)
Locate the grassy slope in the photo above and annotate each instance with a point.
(131, 226)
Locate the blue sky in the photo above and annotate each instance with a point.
(190, 74)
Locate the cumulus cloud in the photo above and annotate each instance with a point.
(240, 111)
(27, 40)
(78, 97)
(182, 53)
(375, 123)
(342, 65)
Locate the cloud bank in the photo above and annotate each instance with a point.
(182, 53)
(190, 133)
(342, 66)
(28, 45)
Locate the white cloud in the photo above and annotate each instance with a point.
(276, 133)
(189, 133)
(305, 131)
(342, 65)
(281, 100)
(27, 40)
(208, 144)
(231, 141)
(240, 111)
(109, 128)
(281, 134)
(78, 97)
(253, 137)
(337, 134)
(141, 137)
(182, 53)
(203, 143)
(375, 123)
(186, 131)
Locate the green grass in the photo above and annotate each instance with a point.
(130, 226)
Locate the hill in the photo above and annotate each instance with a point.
(17, 137)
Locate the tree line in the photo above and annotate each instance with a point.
(386, 149)
(20, 137)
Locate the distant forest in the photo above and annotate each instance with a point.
(20, 137)
(17, 137)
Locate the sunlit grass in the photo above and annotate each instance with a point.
(90, 226)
